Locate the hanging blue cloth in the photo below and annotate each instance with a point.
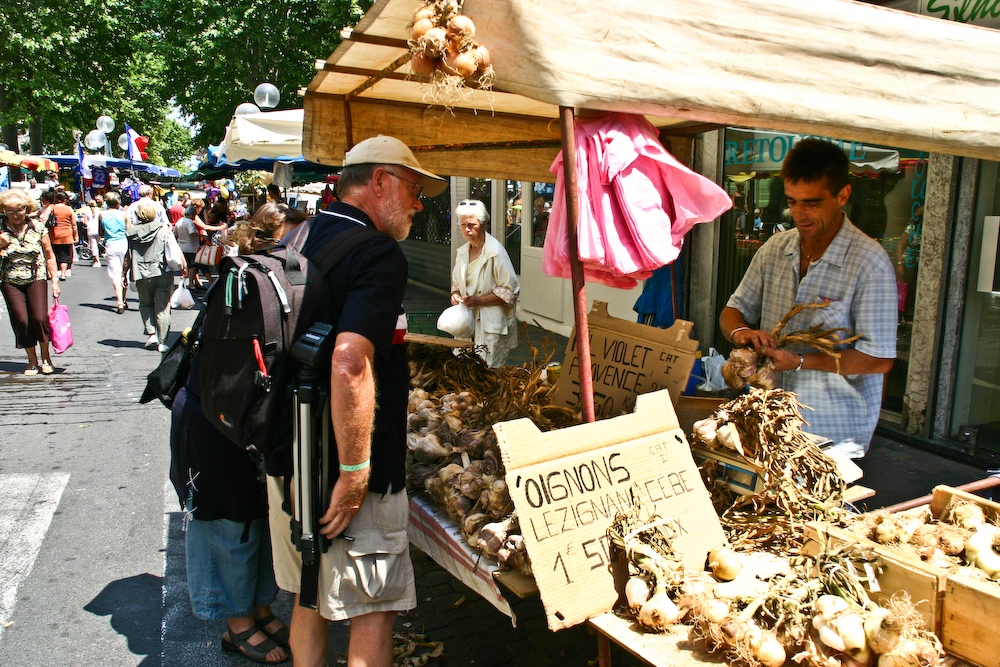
(656, 303)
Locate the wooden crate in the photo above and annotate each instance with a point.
(925, 584)
(970, 608)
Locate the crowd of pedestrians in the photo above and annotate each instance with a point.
(47, 229)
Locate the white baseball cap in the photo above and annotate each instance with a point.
(389, 150)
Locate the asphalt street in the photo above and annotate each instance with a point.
(83, 468)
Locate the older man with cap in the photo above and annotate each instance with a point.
(366, 574)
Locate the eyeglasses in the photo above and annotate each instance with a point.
(12, 211)
(420, 188)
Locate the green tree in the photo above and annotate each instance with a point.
(53, 59)
(217, 53)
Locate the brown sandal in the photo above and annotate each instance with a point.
(240, 643)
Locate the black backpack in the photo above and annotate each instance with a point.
(260, 306)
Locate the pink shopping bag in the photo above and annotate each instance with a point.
(62, 334)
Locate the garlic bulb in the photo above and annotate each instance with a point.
(637, 591)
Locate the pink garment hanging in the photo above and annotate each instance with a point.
(555, 252)
(636, 203)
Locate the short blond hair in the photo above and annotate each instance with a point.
(15, 198)
(145, 210)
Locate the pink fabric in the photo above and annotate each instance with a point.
(636, 203)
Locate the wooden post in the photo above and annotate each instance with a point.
(576, 267)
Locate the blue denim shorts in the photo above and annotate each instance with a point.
(227, 578)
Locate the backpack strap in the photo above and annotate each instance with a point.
(342, 244)
(332, 252)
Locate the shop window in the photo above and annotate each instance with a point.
(887, 197)
(541, 207)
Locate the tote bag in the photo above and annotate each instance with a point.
(173, 253)
(62, 334)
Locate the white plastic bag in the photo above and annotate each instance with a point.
(459, 321)
(172, 252)
(711, 366)
(181, 298)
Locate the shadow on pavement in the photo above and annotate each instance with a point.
(121, 343)
(134, 606)
(110, 308)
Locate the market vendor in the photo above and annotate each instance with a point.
(825, 258)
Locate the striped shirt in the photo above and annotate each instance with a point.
(855, 276)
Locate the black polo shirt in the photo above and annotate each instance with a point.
(366, 293)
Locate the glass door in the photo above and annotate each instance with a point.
(976, 411)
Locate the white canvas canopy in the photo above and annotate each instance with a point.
(834, 68)
(270, 134)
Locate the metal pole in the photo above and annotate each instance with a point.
(576, 267)
(971, 487)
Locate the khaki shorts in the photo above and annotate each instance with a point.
(372, 573)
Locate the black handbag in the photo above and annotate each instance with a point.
(168, 378)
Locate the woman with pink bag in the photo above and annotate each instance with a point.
(26, 263)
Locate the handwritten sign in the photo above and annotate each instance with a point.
(569, 485)
(627, 359)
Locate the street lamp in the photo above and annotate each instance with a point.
(245, 108)
(266, 96)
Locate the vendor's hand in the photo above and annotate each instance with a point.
(783, 360)
(345, 500)
(456, 298)
(471, 301)
(759, 340)
(55, 290)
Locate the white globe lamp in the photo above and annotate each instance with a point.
(105, 124)
(246, 108)
(266, 96)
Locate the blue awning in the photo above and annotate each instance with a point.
(120, 163)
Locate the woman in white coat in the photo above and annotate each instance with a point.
(484, 280)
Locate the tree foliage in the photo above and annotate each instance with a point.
(64, 64)
(222, 51)
(53, 60)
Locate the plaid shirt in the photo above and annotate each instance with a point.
(855, 276)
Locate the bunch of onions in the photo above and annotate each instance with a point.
(442, 40)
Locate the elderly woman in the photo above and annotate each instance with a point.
(26, 263)
(485, 281)
(153, 278)
(230, 572)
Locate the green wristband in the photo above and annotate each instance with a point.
(355, 468)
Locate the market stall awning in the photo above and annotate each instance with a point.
(103, 161)
(834, 68)
(12, 159)
(275, 135)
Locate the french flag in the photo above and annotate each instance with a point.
(85, 171)
(133, 150)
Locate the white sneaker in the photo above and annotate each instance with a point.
(68, 273)
(152, 342)
(161, 348)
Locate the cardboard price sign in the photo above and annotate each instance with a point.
(568, 485)
(627, 359)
